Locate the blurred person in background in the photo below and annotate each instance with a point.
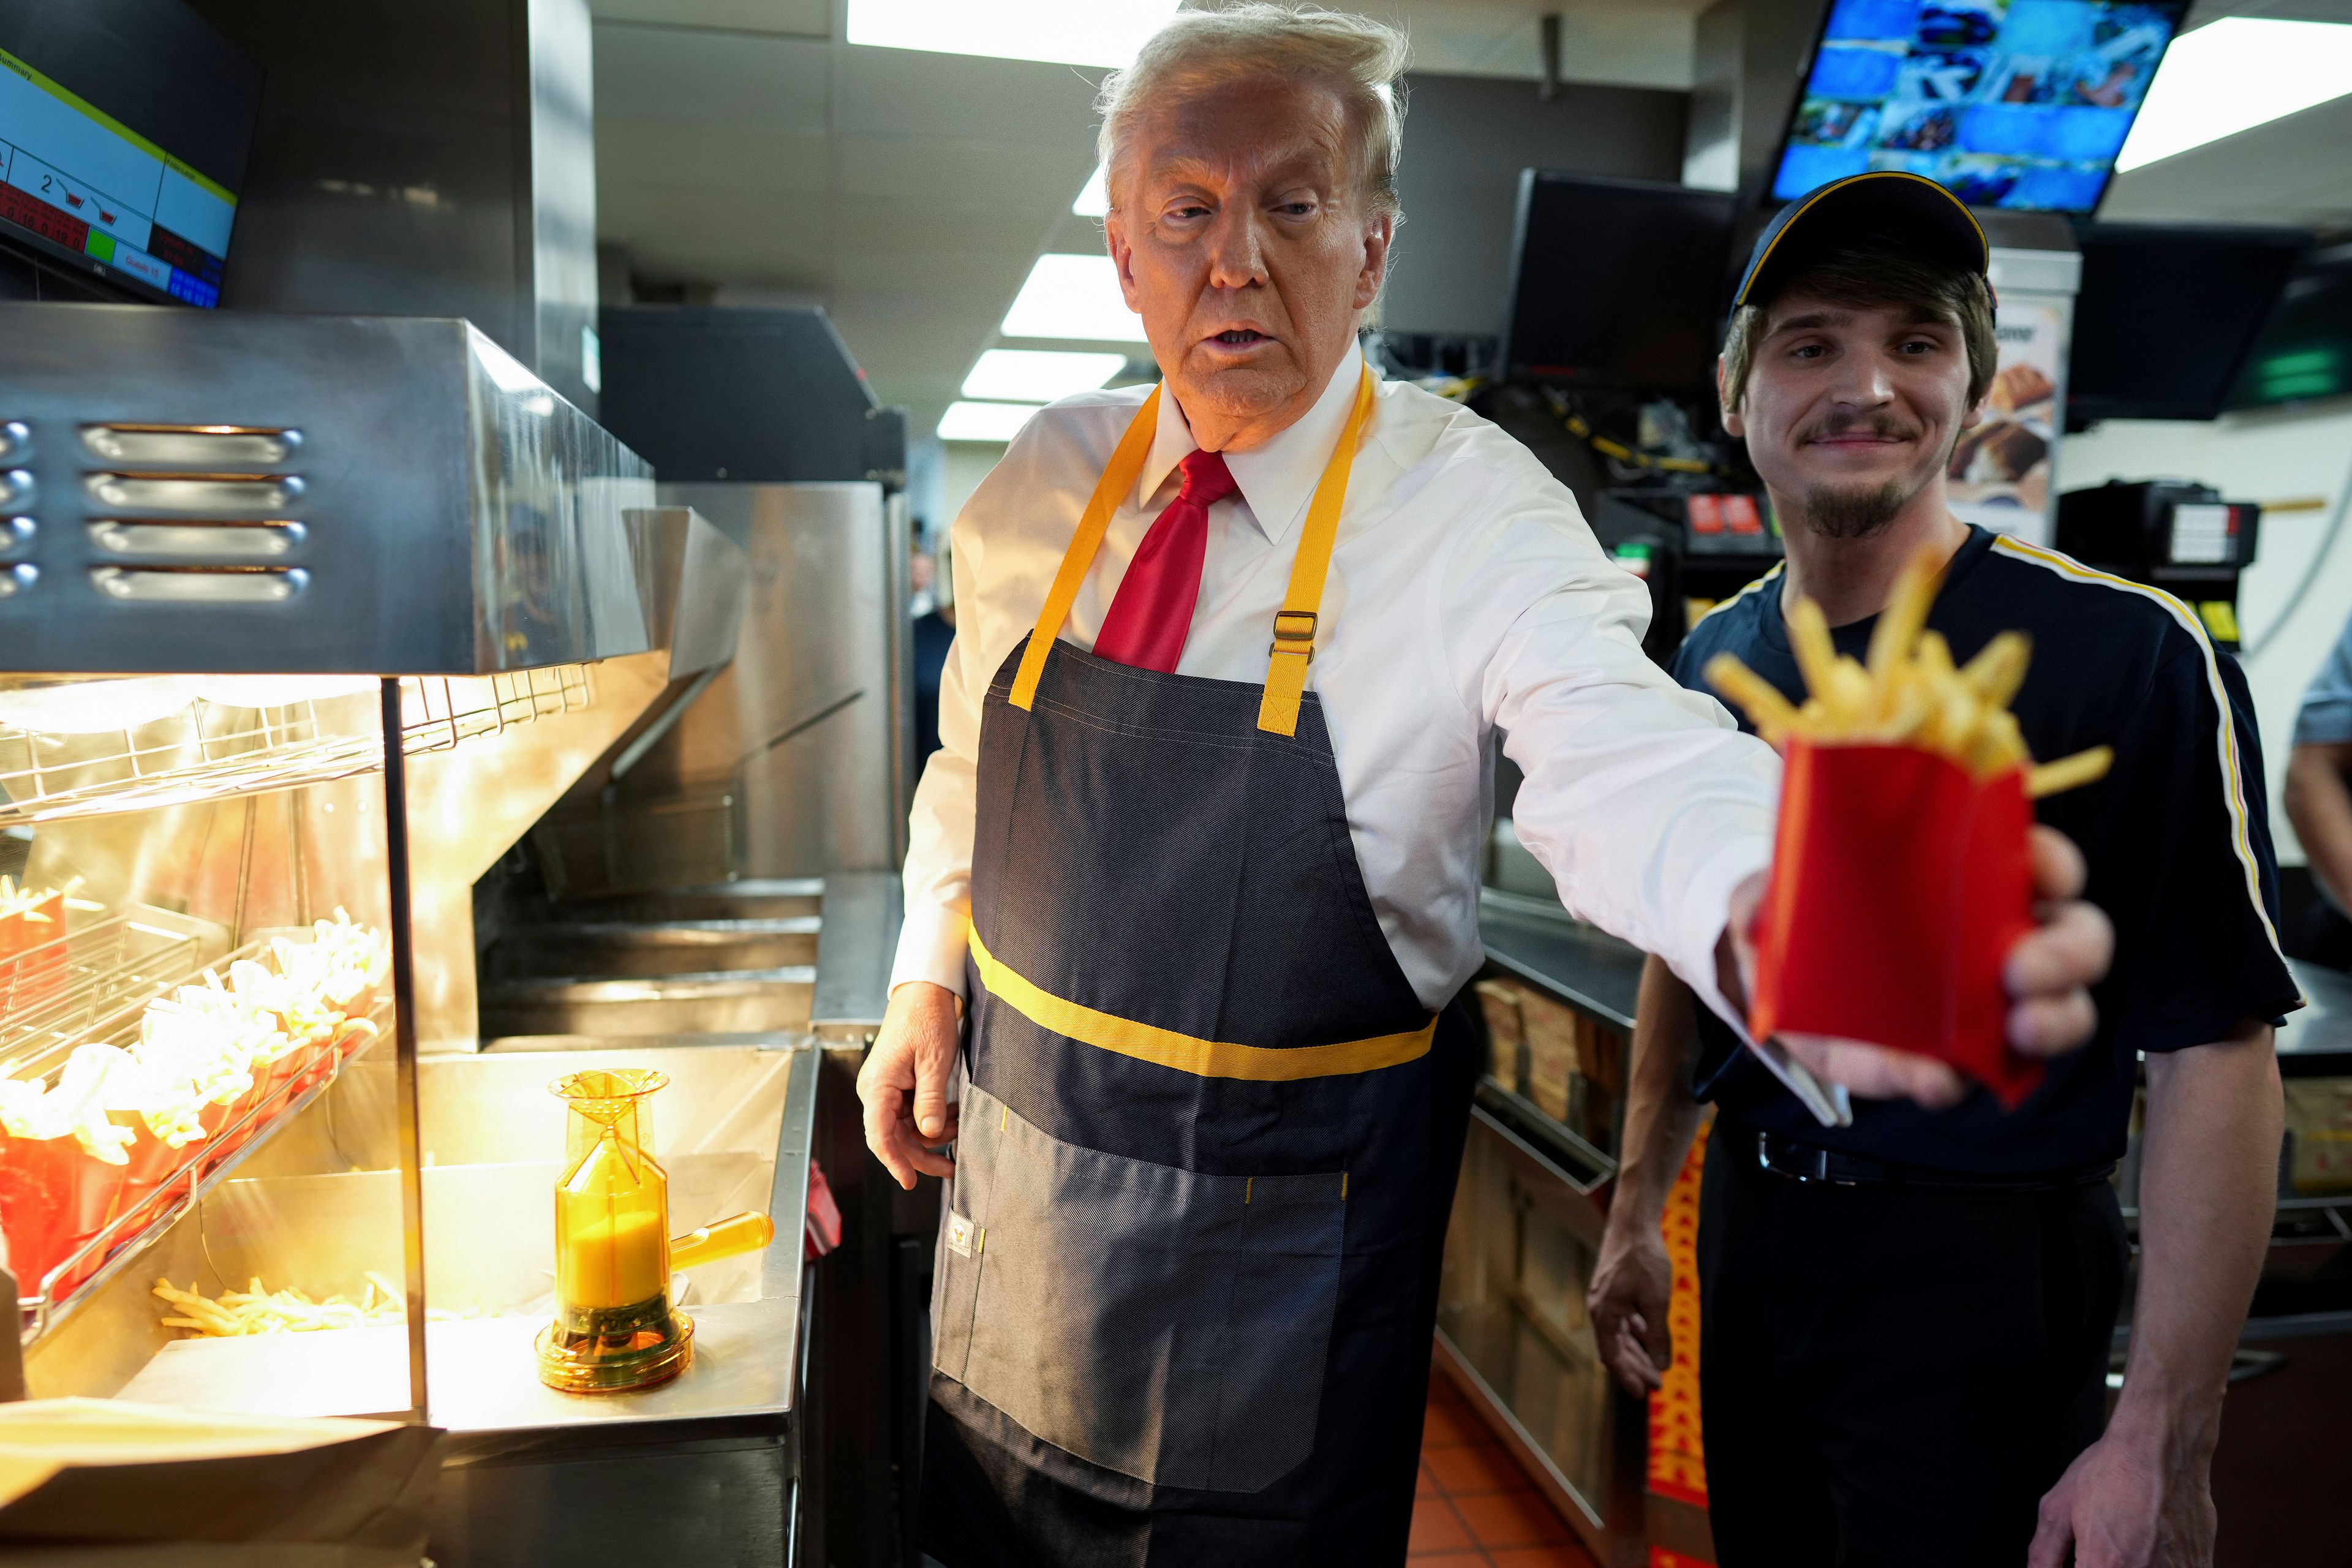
(2320, 805)
(934, 634)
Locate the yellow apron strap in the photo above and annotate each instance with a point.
(1125, 464)
(1294, 623)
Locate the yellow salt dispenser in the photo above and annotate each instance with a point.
(615, 1328)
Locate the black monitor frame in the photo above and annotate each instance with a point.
(2283, 248)
(1519, 368)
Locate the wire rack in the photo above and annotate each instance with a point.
(82, 985)
(41, 1305)
(206, 751)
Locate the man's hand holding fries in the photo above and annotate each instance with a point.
(2049, 977)
(1911, 694)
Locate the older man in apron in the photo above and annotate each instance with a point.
(1198, 858)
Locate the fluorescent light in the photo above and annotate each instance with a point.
(984, 421)
(1072, 296)
(1038, 375)
(1069, 32)
(1095, 200)
(2235, 74)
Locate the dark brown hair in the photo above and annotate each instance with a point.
(1870, 273)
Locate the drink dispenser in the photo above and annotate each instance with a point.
(615, 1328)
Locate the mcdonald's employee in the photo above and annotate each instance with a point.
(1906, 1322)
(1199, 857)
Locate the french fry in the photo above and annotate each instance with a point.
(258, 1310)
(1771, 713)
(2068, 772)
(1809, 638)
(1910, 692)
(1936, 659)
(1999, 667)
(1905, 615)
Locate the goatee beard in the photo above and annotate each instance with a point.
(1851, 514)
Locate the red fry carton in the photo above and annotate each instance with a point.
(1900, 880)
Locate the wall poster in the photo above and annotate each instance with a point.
(2003, 469)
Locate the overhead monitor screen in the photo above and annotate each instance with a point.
(2211, 287)
(2009, 103)
(2305, 351)
(124, 128)
(1619, 283)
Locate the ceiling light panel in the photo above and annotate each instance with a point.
(984, 421)
(1074, 297)
(1095, 200)
(2235, 74)
(1038, 375)
(1069, 32)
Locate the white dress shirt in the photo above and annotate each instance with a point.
(1466, 595)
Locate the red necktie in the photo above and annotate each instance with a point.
(1153, 611)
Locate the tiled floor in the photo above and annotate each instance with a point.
(1475, 1508)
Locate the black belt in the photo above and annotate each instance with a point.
(1803, 1162)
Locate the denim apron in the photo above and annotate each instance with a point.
(1187, 1264)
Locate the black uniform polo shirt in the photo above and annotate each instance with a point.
(2176, 836)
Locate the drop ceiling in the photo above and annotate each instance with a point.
(746, 153)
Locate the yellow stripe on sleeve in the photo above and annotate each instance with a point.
(2226, 744)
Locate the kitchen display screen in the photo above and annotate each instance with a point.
(2009, 103)
(124, 128)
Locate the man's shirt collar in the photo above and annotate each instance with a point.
(1279, 479)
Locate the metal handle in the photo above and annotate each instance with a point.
(728, 1238)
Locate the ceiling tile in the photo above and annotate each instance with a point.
(658, 73)
(943, 175)
(912, 93)
(811, 18)
(2290, 171)
(754, 160)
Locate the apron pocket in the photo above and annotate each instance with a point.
(1164, 1324)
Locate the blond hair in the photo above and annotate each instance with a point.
(1362, 60)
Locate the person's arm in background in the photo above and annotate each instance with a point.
(2319, 803)
(1633, 1280)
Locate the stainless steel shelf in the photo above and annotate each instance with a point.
(45, 1311)
(199, 748)
(80, 986)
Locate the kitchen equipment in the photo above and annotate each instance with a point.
(615, 1327)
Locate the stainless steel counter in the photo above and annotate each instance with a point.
(738, 1135)
(1543, 944)
(2317, 1041)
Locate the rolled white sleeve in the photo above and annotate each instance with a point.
(931, 941)
(1643, 800)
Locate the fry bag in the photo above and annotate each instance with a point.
(1901, 870)
(1899, 884)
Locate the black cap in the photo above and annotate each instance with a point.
(1922, 216)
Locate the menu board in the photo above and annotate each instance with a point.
(2007, 103)
(124, 130)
